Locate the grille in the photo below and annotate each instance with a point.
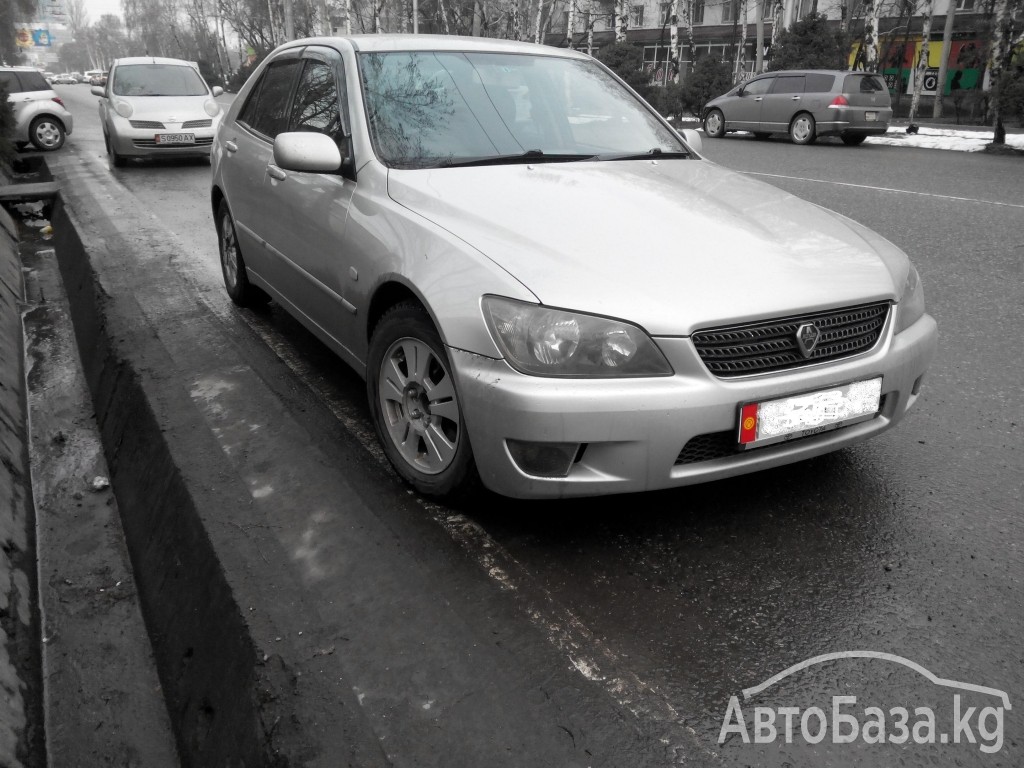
(151, 144)
(197, 124)
(147, 124)
(771, 345)
(719, 445)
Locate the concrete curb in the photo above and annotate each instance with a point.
(21, 733)
(232, 700)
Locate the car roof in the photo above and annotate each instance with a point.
(816, 72)
(155, 60)
(396, 42)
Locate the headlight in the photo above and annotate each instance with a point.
(211, 107)
(123, 108)
(911, 303)
(551, 342)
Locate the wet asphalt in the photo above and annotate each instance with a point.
(909, 545)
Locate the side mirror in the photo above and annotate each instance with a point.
(217, 91)
(307, 152)
(99, 90)
(694, 140)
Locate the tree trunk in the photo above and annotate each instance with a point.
(778, 9)
(870, 44)
(759, 54)
(922, 63)
(947, 41)
(1000, 52)
(740, 65)
(621, 23)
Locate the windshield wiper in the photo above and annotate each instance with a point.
(529, 156)
(657, 153)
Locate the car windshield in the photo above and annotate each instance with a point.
(157, 80)
(434, 109)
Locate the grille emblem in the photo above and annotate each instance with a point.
(807, 336)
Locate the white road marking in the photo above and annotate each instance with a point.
(885, 189)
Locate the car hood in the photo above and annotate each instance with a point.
(163, 108)
(673, 245)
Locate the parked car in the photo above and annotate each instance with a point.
(156, 107)
(48, 76)
(805, 104)
(79, 77)
(39, 114)
(544, 285)
(96, 77)
(65, 79)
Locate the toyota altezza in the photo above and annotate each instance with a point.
(544, 285)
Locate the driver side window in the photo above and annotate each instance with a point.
(757, 87)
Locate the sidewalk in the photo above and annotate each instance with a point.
(962, 138)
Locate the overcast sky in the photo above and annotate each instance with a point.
(97, 8)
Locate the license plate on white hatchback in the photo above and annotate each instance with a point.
(789, 418)
(175, 138)
(871, 117)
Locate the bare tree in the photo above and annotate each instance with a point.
(922, 62)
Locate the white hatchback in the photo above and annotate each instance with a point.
(156, 107)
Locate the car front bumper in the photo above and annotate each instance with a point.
(141, 142)
(633, 431)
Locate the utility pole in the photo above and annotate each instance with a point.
(947, 45)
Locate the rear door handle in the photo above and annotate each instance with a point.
(276, 173)
(230, 146)
(759, 98)
(795, 98)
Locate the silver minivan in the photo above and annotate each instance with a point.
(39, 114)
(805, 104)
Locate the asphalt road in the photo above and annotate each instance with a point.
(672, 603)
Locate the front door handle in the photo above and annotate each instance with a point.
(230, 146)
(276, 173)
(795, 98)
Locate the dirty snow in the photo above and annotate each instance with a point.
(943, 138)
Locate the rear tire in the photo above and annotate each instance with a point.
(853, 140)
(232, 265)
(803, 129)
(46, 133)
(714, 124)
(415, 404)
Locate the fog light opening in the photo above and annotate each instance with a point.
(545, 459)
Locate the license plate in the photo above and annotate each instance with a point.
(175, 138)
(789, 418)
(871, 116)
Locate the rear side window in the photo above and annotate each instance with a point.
(10, 82)
(863, 84)
(789, 84)
(818, 83)
(267, 108)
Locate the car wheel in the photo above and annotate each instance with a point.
(116, 160)
(232, 265)
(714, 124)
(853, 140)
(415, 404)
(761, 135)
(46, 133)
(802, 130)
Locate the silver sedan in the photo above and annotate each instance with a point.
(545, 286)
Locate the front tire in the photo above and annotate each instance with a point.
(714, 124)
(415, 404)
(46, 133)
(116, 160)
(803, 129)
(232, 265)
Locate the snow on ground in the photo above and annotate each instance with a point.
(943, 138)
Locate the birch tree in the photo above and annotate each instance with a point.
(927, 9)
(778, 7)
(869, 43)
(622, 22)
